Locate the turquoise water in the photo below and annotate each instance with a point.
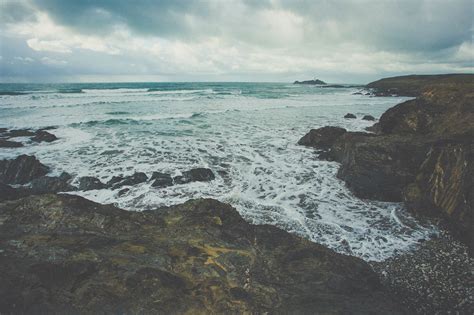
(245, 132)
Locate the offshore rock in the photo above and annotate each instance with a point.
(10, 144)
(161, 179)
(199, 174)
(21, 170)
(368, 117)
(350, 116)
(43, 136)
(90, 183)
(120, 181)
(322, 138)
(65, 254)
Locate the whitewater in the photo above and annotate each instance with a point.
(246, 133)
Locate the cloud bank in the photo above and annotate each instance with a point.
(245, 40)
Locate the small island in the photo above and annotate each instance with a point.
(311, 82)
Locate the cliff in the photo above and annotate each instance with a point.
(420, 152)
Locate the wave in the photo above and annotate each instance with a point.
(117, 113)
(70, 91)
(12, 93)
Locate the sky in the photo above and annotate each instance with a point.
(354, 41)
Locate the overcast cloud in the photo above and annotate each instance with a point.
(245, 40)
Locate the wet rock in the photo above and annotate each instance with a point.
(21, 170)
(368, 117)
(90, 183)
(119, 181)
(65, 254)
(350, 116)
(357, 93)
(161, 179)
(49, 184)
(322, 137)
(19, 133)
(195, 175)
(10, 144)
(123, 192)
(43, 136)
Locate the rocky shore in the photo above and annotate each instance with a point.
(420, 152)
(66, 254)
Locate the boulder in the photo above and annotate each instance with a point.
(90, 183)
(43, 136)
(49, 184)
(161, 179)
(349, 116)
(66, 254)
(10, 144)
(368, 117)
(21, 170)
(119, 181)
(195, 175)
(322, 138)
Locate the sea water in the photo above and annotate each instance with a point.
(246, 133)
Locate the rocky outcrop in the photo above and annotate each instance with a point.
(90, 183)
(322, 138)
(311, 82)
(65, 254)
(161, 179)
(420, 151)
(50, 184)
(43, 136)
(21, 170)
(199, 174)
(444, 187)
(368, 117)
(10, 144)
(350, 116)
(120, 181)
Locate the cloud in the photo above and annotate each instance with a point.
(278, 39)
(53, 62)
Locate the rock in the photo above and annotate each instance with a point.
(195, 175)
(123, 192)
(90, 183)
(19, 133)
(43, 136)
(21, 170)
(311, 82)
(350, 116)
(8, 193)
(357, 93)
(65, 254)
(368, 117)
(49, 184)
(10, 144)
(444, 188)
(322, 138)
(119, 181)
(161, 179)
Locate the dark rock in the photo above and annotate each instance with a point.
(161, 179)
(10, 144)
(21, 170)
(123, 191)
(444, 188)
(20, 133)
(49, 184)
(65, 254)
(43, 136)
(349, 115)
(357, 93)
(311, 82)
(195, 175)
(8, 193)
(368, 117)
(119, 181)
(3, 130)
(322, 137)
(90, 183)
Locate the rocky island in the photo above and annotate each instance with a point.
(311, 82)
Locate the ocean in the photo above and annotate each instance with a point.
(246, 133)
